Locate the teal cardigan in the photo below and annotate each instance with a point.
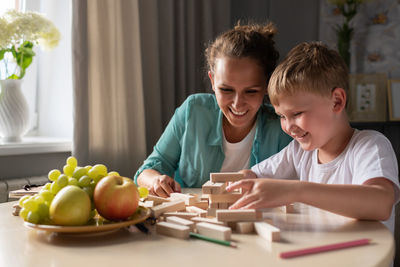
(191, 146)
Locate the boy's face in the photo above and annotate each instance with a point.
(239, 85)
(308, 118)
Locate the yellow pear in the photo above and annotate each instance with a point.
(71, 206)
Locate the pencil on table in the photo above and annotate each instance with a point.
(318, 249)
(221, 242)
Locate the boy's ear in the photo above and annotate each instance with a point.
(211, 79)
(339, 99)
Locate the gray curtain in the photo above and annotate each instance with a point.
(134, 62)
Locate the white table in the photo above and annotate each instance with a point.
(20, 246)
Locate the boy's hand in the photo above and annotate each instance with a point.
(164, 185)
(263, 193)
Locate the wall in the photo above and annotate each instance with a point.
(297, 21)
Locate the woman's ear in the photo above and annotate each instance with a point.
(211, 79)
(339, 99)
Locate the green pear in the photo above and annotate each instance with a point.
(71, 206)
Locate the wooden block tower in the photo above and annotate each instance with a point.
(218, 197)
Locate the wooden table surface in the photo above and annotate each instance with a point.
(307, 227)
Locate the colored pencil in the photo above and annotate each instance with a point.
(217, 241)
(318, 249)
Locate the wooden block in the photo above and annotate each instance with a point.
(189, 199)
(207, 220)
(213, 205)
(156, 199)
(238, 215)
(206, 189)
(223, 205)
(200, 212)
(213, 188)
(211, 212)
(225, 198)
(203, 204)
(184, 215)
(181, 221)
(267, 231)
(245, 227)
(173, 230)
(167, 207)
(147, 204)
(214, 231)
(222, 177)
(204, 197)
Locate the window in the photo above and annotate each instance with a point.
(47, 84)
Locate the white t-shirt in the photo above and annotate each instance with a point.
(237, 155)
(369, 154)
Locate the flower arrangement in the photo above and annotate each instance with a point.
(19, 32)
(348, 8)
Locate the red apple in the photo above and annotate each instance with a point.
(116, 198)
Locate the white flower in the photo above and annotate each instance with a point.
(28, 26)
(19, 32)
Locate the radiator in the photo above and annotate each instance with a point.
(7, 185)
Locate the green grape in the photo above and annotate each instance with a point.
(101, 169)
(84, 181)
(113, 173)
(30, 204)
(22, 199)
(93, 184)
(93, 173)
(143, 192)
(88, 190)
(54, 188)
(93, 213)
(98, 178)
(79, 172)
(72, 161)
(68, 170)
(43, 211)
(62, 181)
(47, 186)
(38, 198)
(23, 213)
(33, 217)
(53, 174)
(88, 167)
(46, 195)
(72, 181)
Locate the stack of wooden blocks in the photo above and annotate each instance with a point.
(208, 214)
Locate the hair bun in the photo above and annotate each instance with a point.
(268, 30)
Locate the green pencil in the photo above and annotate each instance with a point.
(221, 242)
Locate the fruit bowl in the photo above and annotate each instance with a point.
(94, 225)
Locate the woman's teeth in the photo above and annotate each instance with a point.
(238, 113)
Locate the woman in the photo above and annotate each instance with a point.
(224, 132)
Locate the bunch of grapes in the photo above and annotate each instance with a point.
(35, 209)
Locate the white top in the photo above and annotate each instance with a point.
(369, 154)
(237, 155)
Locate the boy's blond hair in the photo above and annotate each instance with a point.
(308, 67)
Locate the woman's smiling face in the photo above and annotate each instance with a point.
(239, 85)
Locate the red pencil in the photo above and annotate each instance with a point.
(306, 251)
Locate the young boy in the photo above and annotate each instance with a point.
(328, 165)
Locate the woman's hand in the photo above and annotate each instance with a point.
(163, 186)
(157, 183)
(263, 193)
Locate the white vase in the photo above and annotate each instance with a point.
(14, 111)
